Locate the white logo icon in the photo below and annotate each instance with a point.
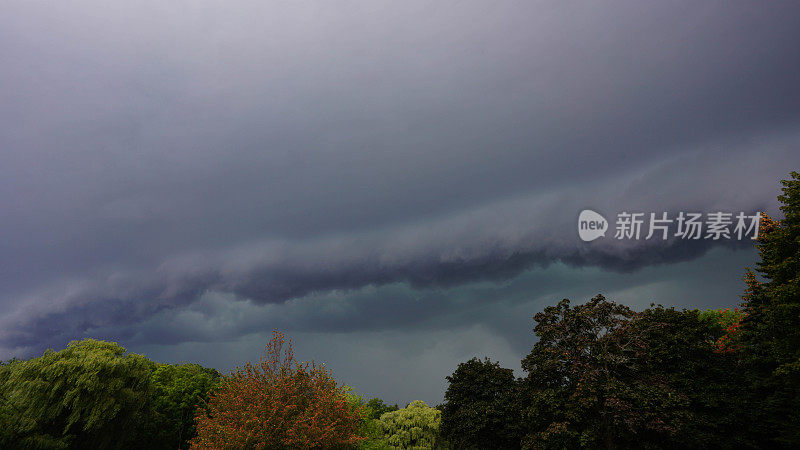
(591, 225)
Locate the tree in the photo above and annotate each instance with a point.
(413, 427)
(90, 395)
(278, 403)
(725, 323)
(691, 352)
(175, 393)
(7, 413)
(481, 409)
(583, 384)
(377, 408)
(370, 411)
(770, 333)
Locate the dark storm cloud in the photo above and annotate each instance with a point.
(399, 343)
(493, 242)
(157, 152)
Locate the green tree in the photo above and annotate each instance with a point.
(377, 408)
(175, 393)
(370, 412)
(770, 333)
(726, 324)
(682, 352)
(481, 408)
(413, 427)
(90, 395)
(584, 384)
(6, 409)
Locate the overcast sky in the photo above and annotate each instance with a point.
(395, 185)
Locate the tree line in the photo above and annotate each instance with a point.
(601, 375)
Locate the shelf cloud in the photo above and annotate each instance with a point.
(166, 159)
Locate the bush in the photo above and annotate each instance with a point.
(278, 404)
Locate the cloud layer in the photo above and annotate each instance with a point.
(156, 156)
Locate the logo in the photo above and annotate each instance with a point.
(591, 225)
(635, 225)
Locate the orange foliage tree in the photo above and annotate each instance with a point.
(278, 403)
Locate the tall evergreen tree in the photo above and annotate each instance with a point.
(771, 331)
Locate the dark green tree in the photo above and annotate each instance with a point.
(371, 412)
(90, 395)
(481, 408)
(770, 333)
(376, 408)
(681, 352)
(175, 393)
(586, 386)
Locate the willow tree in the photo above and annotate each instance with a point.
(90, 395)
(415, 426)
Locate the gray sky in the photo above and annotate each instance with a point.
(393, 184)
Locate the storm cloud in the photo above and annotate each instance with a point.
(163, 158)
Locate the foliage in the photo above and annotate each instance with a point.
(369, 428)
(377, 408)
(176, 391)
(413, 427)
(681, 350)
(481, 408)
(6, 411)
(770, 334)
(278, 403)
(586, 383)
(89, 395)
(726, 324)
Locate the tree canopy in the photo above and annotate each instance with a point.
(89, 395)
(414, 427)
(481, 407)
(278, 403)
(175, 393)
(770, 333)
